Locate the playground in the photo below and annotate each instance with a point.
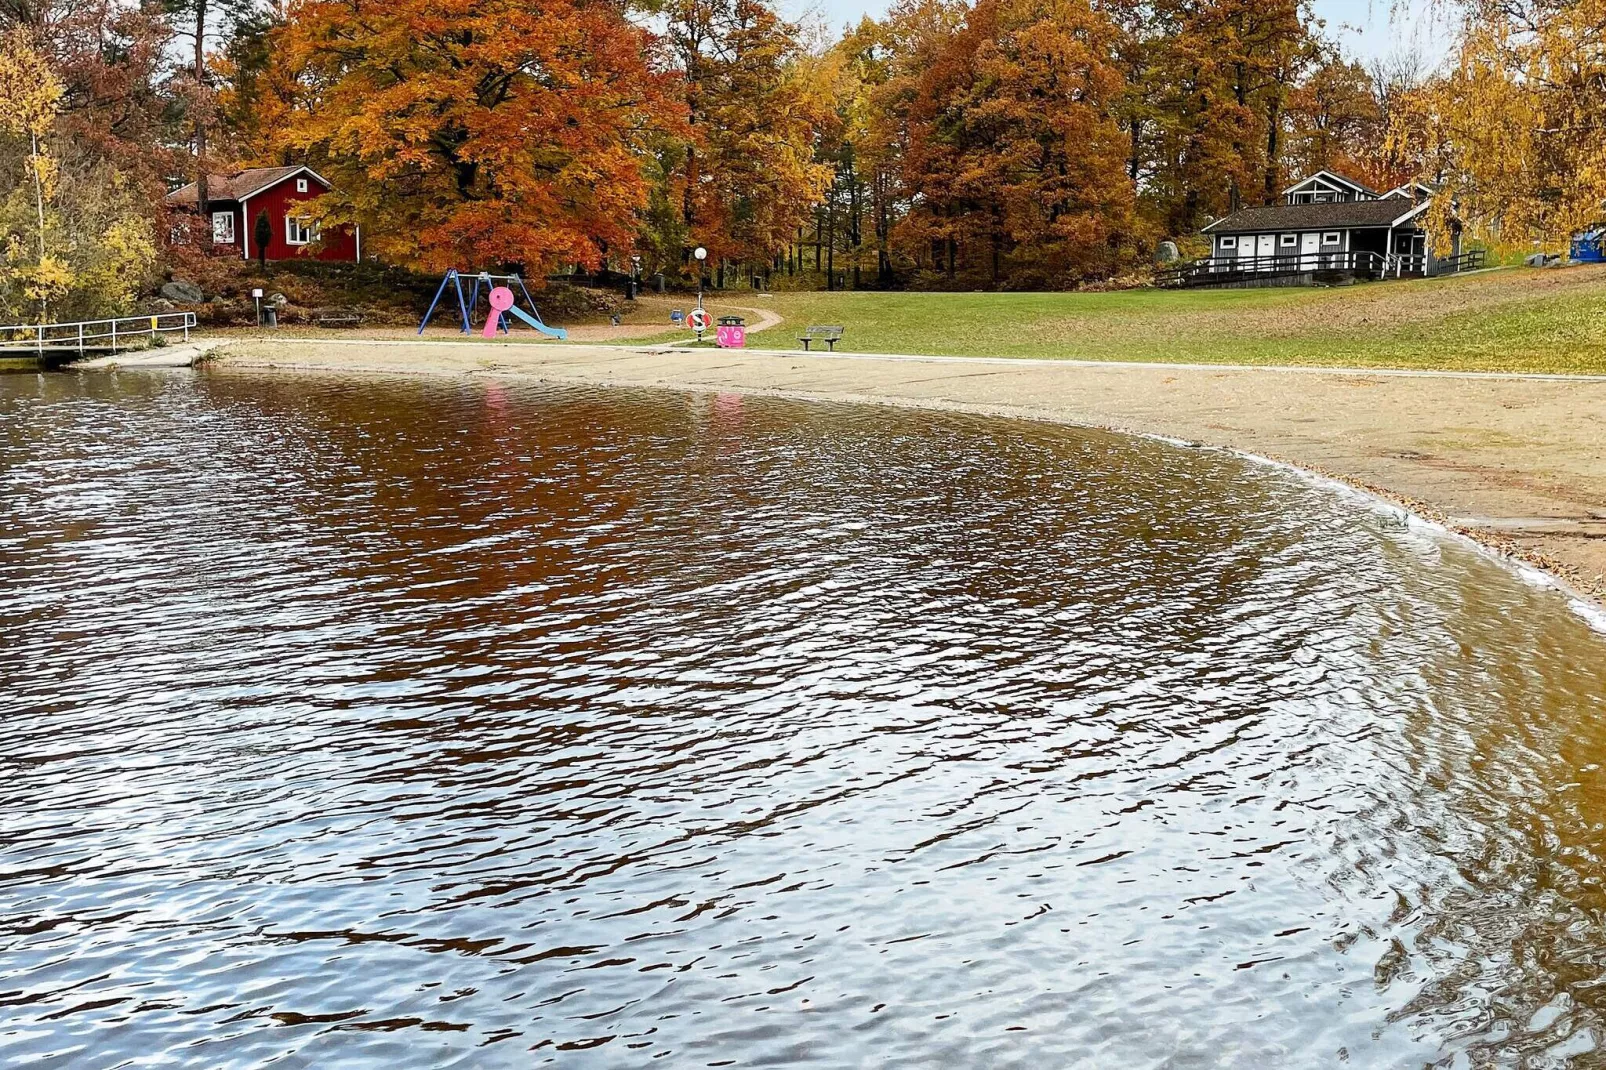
(502, 303)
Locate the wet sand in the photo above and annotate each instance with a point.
(1516, 462)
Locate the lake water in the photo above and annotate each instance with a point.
(369, 722)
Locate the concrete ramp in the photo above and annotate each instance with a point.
(184, 356)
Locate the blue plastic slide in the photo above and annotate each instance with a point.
(552, 332)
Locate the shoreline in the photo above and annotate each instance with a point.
(1504, 493)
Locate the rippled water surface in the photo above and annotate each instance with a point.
(365, 722)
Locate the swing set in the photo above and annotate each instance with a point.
(486, 281)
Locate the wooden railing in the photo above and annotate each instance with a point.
(1219, 270)
(85, 335)
(1452, 265)
(1223, 270)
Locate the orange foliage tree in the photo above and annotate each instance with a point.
(1017, 163)
(746, 177)
(468, 132)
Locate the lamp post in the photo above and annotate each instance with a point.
(635, 276)
(701, 254)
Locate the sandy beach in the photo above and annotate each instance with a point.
(1516, 462)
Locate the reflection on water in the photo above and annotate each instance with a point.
(367, 722)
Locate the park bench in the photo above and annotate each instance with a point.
(829, 335)
(337, 317)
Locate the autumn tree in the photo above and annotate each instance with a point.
(1021, 167)
(74, 237)
(747, 177)
(854, 223)
(29, 97)
(111, 58)
(1516, 132)
(915, 36)
(1335, 123)
(1224, 71)
(255, 94)
(198, 96)
(1401, 97)
(467, 133)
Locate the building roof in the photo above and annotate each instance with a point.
(1335, 176)
(1341, 215)
(239, 185)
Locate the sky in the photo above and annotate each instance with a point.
(1367, 29)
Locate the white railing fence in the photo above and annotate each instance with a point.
(84, 335)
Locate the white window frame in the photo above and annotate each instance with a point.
(1287, 241)
(1229, 241)
(222, 235)
(301, 185)
(1331, 237)
(298, 231)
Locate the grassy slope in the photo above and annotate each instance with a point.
(1519, 320)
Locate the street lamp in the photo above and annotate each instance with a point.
(635, 276)
(701, 254)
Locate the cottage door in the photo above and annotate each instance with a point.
(1310, 247)
(1266, 246)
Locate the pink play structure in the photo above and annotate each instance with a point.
(501, 300)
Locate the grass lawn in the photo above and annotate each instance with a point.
(1551, 320)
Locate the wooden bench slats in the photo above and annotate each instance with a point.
(336, 317)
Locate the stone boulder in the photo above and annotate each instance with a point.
(1167, 253)
(184, 293)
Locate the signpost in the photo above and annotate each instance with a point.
(701, 254)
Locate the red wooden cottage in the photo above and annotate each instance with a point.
(236, 200)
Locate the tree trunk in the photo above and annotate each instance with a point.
(39, 206)
(830, 238)
(1273, 121)
(883, 230)
(855, 220)
(203, 204)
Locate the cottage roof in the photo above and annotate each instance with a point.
(239, 185)
(1331, 177)
(1386, 212)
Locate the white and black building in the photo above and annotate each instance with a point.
(1325, 224)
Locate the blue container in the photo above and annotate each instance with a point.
(1589, 247)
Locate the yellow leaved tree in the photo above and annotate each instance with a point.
(73, 238)
(1514, 132)
(29, 96)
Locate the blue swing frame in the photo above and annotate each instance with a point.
(454, 279)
